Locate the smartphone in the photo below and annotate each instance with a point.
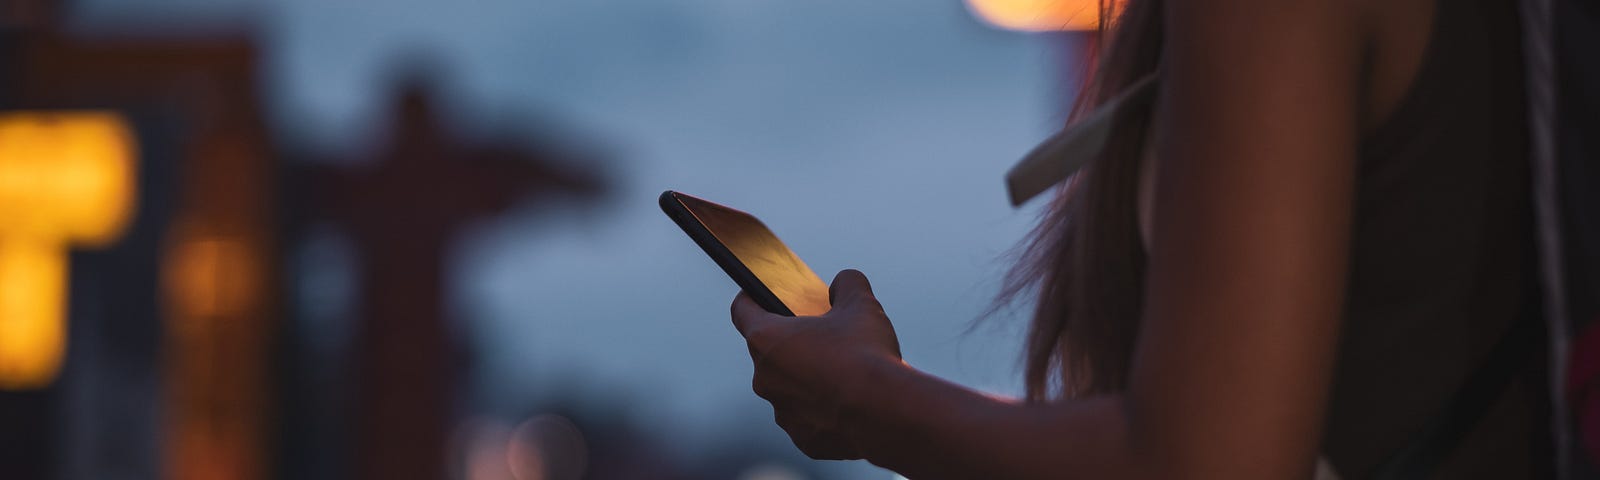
(758, 262)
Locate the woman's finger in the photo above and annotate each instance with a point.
(747, 315)
(824, 445)
(811, 441)
(776, 386)
(849, 287)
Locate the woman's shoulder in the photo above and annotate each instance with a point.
(1397, 35)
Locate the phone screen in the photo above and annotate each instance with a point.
(768, 258)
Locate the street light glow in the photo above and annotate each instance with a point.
(1040, 15)
(66, 179)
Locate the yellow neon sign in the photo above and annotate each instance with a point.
(1040, 15)
(66, 179)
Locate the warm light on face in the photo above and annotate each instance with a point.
(66, 179)
(1039, 15)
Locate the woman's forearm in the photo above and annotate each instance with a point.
(927, 428)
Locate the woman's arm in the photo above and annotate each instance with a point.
(926, 428)
(1256, 150)
(1255, 188)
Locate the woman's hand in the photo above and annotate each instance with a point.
(811, 368)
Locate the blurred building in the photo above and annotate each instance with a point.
(166, 372)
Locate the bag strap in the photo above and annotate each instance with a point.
(1428, 448)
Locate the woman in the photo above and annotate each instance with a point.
(1295, 260)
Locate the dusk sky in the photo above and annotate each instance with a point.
(868, 134)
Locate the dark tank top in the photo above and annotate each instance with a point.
(1442, 259)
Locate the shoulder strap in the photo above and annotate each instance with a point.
(1540, 50)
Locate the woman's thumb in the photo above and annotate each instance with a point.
(848, 287)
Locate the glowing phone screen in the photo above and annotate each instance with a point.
(767, 257)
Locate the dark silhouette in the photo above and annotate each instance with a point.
(402, 211)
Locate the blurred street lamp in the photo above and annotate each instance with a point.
(66, 179)
(1040, 15)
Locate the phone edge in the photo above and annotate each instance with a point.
(721, 255)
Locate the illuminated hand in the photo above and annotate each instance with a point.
(811, 368)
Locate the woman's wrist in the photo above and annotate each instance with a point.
(871, 400)
(900, 418)
(861, 392)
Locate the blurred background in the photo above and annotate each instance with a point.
(327, 239)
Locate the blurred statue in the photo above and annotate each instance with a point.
(402, 209)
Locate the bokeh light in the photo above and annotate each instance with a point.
(771, 472)
(209, 276)
(66, 179)
(548, 447)
(1039, 15)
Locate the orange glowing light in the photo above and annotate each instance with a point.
(66, 179)
(210, 276)
(1040, 15)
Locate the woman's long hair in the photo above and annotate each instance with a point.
(1084, 263)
